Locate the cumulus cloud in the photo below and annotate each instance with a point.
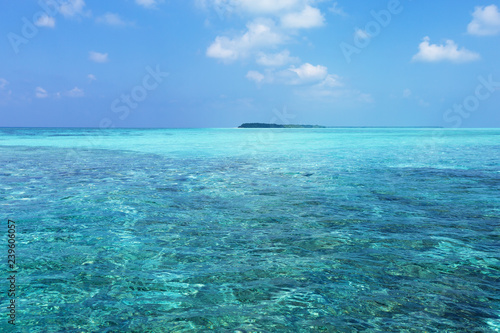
(41, 93)
(223, 48)
(309, 73)
(266, 6)
(312, 82)
(305, 74)
(275, 23)
(485, 21)
(255, 76)
(111, 19)
(275, 59)
(300, 9)
(72, 8)
(45, 21)
(309, 17)
(447, 52)
(75, 92)
(263, 33)
(98, 57)
(259, 34)
(331, 81)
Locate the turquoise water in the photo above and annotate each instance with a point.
(253, 230)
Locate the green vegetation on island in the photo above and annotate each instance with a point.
(263, 125)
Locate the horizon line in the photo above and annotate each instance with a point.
(236, 127)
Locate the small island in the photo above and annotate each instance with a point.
(263, 125)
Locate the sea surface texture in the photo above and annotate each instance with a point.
(252, 230)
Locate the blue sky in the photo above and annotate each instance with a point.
(219, 63)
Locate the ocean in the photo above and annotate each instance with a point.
(251, 230)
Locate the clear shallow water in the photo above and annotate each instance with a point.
(227, 230)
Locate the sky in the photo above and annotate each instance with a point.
(220, 63)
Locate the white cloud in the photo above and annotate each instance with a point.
(98, 57)
(260, 34)
(309, 17)
(254, 7)
(331, 81)
(305, 74)
(274, 23)
(41, 93)
(75, 92)
(294, 13)
(91, 77)
(276, 59)
(45, 21)
(223, 48)
(255, 76)
(308, 73)
(486, 21)
(72, 8)
(313, 82)
(147, 3)
(3, 83)
(406, 93)
(267, 6)
(112, 20)
(449, 51)
(337, 10)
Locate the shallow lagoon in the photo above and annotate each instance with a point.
(256, 230)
